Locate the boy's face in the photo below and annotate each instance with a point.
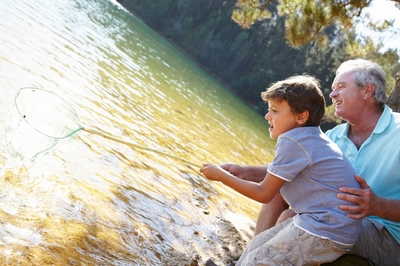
(280, 118)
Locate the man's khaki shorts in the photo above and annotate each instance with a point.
(376, 244)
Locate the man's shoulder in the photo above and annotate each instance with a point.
(396, 117)
(337, 131)
(390, 115)
(393, 121)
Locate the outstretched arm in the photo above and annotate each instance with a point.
(368, 203)
(246, 172)
(262, 192)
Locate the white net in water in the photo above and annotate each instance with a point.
(37, 121)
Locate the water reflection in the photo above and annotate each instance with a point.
(93, 201)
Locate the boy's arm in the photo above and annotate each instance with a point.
(246, 172)
(262, 192)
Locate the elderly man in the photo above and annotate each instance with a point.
(371, 141)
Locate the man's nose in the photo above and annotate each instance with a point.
(333, 93)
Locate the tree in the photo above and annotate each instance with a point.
(394, 98)
(307, 19)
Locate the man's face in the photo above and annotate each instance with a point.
(346, 96)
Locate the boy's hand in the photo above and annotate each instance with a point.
(212, 171)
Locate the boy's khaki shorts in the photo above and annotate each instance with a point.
(286, 244)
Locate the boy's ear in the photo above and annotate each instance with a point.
(302, 117)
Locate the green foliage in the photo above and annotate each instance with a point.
(306, 20)
(249, 12)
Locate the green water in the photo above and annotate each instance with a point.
(93, 201)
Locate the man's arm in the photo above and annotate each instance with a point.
(368, 203)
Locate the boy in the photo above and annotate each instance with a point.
(307, 170)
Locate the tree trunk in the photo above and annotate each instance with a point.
(394, 97)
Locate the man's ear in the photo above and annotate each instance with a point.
(368, 91)
(302, 118)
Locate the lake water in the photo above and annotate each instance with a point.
(94, 201)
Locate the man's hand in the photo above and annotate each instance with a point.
(234, 169)
(246, 172)
(364, 198)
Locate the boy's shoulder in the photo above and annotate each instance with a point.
(308, 130)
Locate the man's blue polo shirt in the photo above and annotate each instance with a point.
(377, 160)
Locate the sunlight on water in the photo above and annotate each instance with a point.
(87, 200)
